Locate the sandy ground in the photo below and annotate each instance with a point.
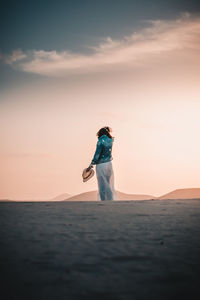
(100, 250)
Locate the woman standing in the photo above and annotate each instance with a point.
(103, 161)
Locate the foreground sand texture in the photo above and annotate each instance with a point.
(100, 250)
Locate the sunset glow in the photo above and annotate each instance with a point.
(145, 86)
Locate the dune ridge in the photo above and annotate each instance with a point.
(187, 193)
(92, 196)
(61, 197)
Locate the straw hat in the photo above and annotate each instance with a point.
(87, 174)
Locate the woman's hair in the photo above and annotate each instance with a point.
(105, 130)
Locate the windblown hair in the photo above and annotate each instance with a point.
(105, 130)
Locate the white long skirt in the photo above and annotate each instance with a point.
(105, 179)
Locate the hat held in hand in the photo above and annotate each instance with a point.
(87, 174)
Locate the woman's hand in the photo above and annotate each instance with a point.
(90, 167)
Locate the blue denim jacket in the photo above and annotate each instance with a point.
(103, 151)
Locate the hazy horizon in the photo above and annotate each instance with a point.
(189, 193)
(69, 75)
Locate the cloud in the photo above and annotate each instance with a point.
(140, 48)
(16, 55)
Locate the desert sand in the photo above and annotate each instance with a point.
(92, 196)
(100, 250)
(187, 193)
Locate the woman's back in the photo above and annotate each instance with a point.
(107, 144)
(104, 150)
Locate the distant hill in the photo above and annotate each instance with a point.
(5, 200)
(124, 196)
(193, 193)
(188, 193)
(61, 197)
(92, 196)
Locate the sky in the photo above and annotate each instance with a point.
(68, 68)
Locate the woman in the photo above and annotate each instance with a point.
(103, 161)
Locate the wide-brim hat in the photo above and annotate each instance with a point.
(87, 174)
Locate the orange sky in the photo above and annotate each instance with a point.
(149, 95)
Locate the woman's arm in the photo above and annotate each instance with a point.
(97, 153)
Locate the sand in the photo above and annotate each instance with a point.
(100, 250)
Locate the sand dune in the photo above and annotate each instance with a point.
(92, 196)
(193, 193)
(61, 197)
(189, 193)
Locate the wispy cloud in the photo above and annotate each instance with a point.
(158, 38)
(15, 56)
